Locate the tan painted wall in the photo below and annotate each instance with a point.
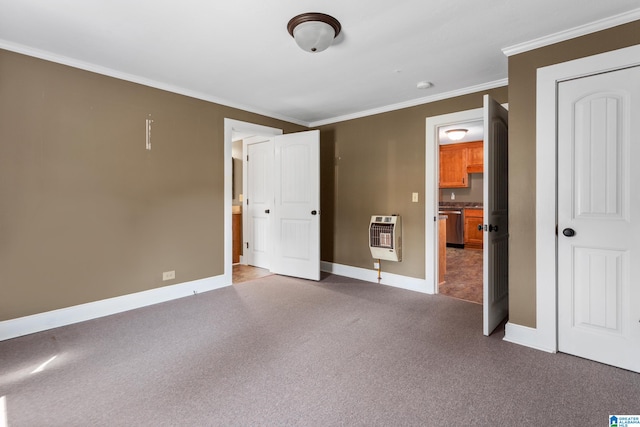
(522, 164)
(371, 166)
(86, 213)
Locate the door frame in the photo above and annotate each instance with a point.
(545, 335)
(432, 163)
(230, 126)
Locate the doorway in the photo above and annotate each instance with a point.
(495, 227)
(236, 130)
(292, 204)
(242, 271)
(461, 201)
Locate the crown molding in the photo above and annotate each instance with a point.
(582, 30)
(87, 66)
(413, 102)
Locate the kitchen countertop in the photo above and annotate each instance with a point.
(460, 204)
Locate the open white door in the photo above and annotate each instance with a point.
(258, 200)
(296, 210)
(496, 209)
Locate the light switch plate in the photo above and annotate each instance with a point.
(414, 197)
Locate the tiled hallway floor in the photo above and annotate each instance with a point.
(463, 279)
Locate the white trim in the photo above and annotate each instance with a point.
(230, 126)
(4, 421)
(546, 179)
(94, 68)
(526, 336)
(602, 24)
(413, 102)
(431, 186)
(79, 313)
(87, 66)
(388, 279)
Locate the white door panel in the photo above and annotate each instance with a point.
(296, 213)
(496, 213)
(259, 200)
(599, 266)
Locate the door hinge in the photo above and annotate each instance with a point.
(247, 202)
(247, 243)
(247, 157)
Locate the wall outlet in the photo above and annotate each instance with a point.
(168, 275)
(414, 197)
(376, 265)
(453, 195)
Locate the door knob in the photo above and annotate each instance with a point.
(314, 212)
(493, 228)
(569, 232)
(479, 227)
(267, 211)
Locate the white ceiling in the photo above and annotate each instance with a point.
(239, 53)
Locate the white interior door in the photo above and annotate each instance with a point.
(258, 201)
(599, 230)
(296, 211)
(496, 210)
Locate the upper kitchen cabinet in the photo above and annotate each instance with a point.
(457, 161)
(475, 157)
(453, 166)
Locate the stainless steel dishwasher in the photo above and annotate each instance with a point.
(455, 231)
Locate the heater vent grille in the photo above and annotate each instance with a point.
(385, 237)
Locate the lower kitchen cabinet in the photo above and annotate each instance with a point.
(473, 238)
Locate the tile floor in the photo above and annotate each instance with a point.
(463, 279)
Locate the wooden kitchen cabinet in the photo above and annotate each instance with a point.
(453, 166)
(473, 238)
(475, 157)
(457, 161)
(236, 227)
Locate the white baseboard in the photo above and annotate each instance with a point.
(389, 279)
(529, 337)
(79, 313)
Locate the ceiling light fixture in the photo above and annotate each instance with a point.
(424, 85)
(456, 134)
(314, 32)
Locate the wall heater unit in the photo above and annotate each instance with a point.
(385, 237)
